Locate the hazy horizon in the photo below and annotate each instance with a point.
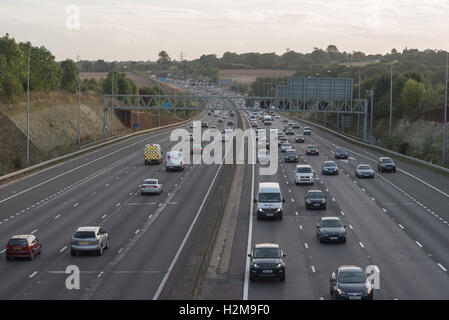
(138, 30)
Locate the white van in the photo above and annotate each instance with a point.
(304, 174)
(174, 161)
(269, 200)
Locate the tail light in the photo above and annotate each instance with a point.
(168, 157)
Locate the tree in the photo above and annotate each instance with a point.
(164, 58)
(331, 48)
(69, 78)
(412, 96)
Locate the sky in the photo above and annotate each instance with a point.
(139, 29)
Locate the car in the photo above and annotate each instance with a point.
(263, 156)
(285, 146)
(386, 164)
(269, 201)
(23, 246)
(220, 120)
(281, 141)
(174, 161)
(291, 123)
(341, 153)
(230, 123)
(150, 186)
(204, 125)
(289, 132)
(267, 260)
(350, 283)
(277, 117)
(364, 171)
(315, 199)
(329, 167)
(196, 148)
(291, 155)
(284, 120)
(304, 174)
(300, 139)
(307, 131)
(285, 128)
(254, 125)
(231, 114)
(312, 150)
(295, 125)
(330, 229)
(267, 122)
(89, 239)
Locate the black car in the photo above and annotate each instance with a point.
(291, 155)
(300, 139)
(315, 199)
(289, 132)
(386, 164)
(341, 153)
(350, 283)
(267, 261)
(204, 125)
(296, 126)
(329, 167)
(312, 150)
(281, 140)
(330, 229)
(230, 123)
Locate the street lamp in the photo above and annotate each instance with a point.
(445, 110)
(391, 94)
(370, 93)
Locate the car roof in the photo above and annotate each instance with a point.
(22, 236)
(150, 179)
(266, 245)
(330, 218)
(87, 229)
(314, 190)
(303, 166)
(382, 158)
(291, 150)
(350, 268)
(363, 164)
(269, 186)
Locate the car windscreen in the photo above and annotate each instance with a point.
(84, 234)
(364, 167)
(330, 164)
(286, 145)
(291, 153)
(352, 277)
(387, 160)
(311, 147)
(269, 197)
(304, 170)
(341, 150)
(18, 242)
(315, 195)
(263, 253)
(331, 224)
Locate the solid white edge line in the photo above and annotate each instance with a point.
(250, 235)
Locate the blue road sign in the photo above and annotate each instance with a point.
(166, 105)
(136, 125)
(162, 79)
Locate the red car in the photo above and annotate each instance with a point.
(23, 246)
(254, 125)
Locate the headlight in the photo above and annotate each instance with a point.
(339, 291)
(279, 265)
(368, 291)
(278, 210)
(323, 201)
(308, 201)
(255, 265)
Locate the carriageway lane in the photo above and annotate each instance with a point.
(55, 236)
(424, 223)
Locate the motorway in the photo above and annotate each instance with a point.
(397, 221)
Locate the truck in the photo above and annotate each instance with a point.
(153, 154)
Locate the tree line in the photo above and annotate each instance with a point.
(46, 74)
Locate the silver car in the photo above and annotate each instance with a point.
(150, 186)
(364, 171)
(89, 239)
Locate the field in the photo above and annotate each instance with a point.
(248, 76)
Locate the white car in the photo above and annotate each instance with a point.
(150, 186)
(89, 239)
(304, 174)
(285, 147)
(174, 161)
(263, 156)
(364, 171)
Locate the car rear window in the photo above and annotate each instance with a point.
(150, 182)
(85, 234)
(18, 242)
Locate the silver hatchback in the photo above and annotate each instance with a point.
(89, 239)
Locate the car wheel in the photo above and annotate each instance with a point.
(324, 207)
(344, 240)
(166, 169)
(252, 277)
(100, 251)
(280, 217)
(8, 258)
(72, 253)
(107, 245)
(282, 278)
(31, 256)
